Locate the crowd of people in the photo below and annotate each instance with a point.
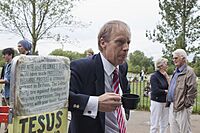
(98, 81)
(24, 47)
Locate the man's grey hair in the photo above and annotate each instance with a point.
(181, 53)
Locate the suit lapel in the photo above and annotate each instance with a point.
(121, 78)
(100, 85)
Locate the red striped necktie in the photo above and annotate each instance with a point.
(120, 118)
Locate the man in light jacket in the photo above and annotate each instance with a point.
(182, 93)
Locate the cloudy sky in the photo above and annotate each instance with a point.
(140, 15)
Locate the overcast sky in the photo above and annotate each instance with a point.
(140, 15)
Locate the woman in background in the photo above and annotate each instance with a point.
(159, 87)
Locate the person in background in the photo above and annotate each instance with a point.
(89, 52)
(24, 47)
(97, 83)
(182, 93)
(159, 81)
(8, 55)
(2, 75)
(2, 72)
(147, 89)
(142, 75)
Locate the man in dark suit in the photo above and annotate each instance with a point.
(92, 100)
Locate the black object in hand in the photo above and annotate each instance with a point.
(130, 101)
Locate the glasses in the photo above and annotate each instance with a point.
(175, 58)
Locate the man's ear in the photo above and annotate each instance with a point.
(102, 43)
(184, 59)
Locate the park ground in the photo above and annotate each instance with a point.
(139, 122)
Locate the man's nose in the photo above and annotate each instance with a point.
(126, 47)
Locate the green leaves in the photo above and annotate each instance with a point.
(34, 19)
(71, 55)
(138, 61)
(179, 26)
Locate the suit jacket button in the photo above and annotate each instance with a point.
(74, 106)
(89, 112)
(77, 106)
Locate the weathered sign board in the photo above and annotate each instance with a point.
(39, 93)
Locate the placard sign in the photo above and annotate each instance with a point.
(40, 84)
(49, 122)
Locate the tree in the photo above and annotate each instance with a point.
(138, 59)
(71, 55)
(2, 62)
(37, 19)
(179, 27)
(170, 69)
(136, 69)
(196, 65)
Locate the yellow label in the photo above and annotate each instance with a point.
(49, 122)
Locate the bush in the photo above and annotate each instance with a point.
(170, 69)
(197, 71)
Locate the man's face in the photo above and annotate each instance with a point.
(178, 61)
(7, 57)
(116, 50)
(21, 49)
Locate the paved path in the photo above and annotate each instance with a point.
(139, 122)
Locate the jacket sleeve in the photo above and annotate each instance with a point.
(77, 99)
(191, 91)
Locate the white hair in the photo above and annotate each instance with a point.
(181, 53)
(159, 62)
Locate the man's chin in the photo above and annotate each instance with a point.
(121, 61)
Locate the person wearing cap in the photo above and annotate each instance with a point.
(24, 47)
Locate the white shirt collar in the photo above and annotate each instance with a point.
(108, 67)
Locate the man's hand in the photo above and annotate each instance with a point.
(109, 102)
(2, 81)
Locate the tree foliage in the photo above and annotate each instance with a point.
(196, 65)
(71, 55)
(170, 69)
(2, 62)
(179, 26)
(139, 61)
(37, 19)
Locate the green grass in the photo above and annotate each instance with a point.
(138, 88)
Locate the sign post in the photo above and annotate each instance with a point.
(39, 94)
